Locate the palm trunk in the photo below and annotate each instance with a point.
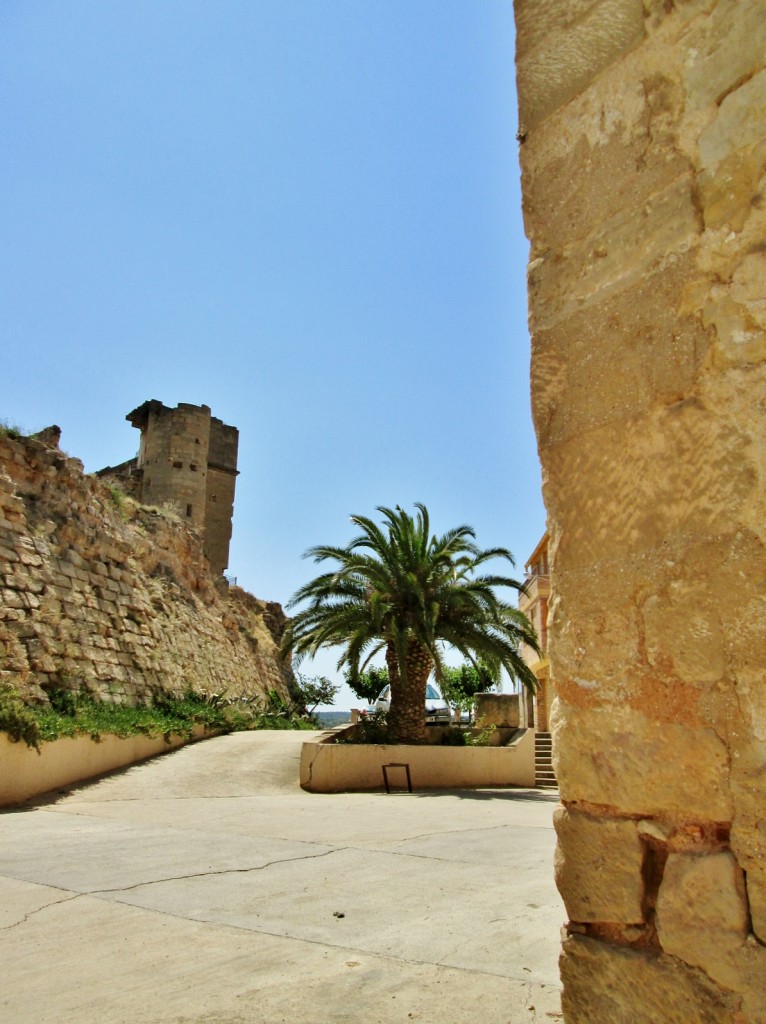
(406, 720)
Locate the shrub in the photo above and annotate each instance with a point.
(80, 714)
(118, 498)
(483, 738)
(369, 729)
(18, 720)
(454, 737)
(12, 430)
(63, 702)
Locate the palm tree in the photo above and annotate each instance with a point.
(398, 589)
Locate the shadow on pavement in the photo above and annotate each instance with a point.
(525, 795)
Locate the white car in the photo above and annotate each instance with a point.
(437, 712)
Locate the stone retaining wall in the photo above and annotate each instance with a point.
(98, 591)
(643, 150)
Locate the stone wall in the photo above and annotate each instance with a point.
(643, 150)
(100, 591)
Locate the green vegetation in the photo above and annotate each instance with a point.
(370, 729)
(80, 714)
(313, 691)
(459, 685)
(367, 685)
(398, 589)
(118, 498)
(374, 729)
(457, 737)
(16, 719)
(12, 430)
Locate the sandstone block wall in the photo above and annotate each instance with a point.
(643, 151)
(99, 591)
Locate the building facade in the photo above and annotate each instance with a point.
(534, 603)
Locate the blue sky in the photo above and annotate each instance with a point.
(302, 213)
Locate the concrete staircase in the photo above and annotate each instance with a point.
(544, 776)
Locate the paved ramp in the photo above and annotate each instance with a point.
(206, 886)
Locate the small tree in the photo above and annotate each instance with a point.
(460, 684)
(315, 690)
(367, 685)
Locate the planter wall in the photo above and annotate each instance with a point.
(25, 773)
(328, 767)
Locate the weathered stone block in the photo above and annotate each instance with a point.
(653, 354)
(616, 254)
(618, 757)
(39, 658)
(721, 50)
(622, 131)
(12, 525)
(604, 984)
(573, 48)
(12, 614)
(598, 868)
(702, 913)
(683, 633)
(748, 833)
(31, 558)
(12, 599)
(654, 481)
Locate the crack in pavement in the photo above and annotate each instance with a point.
(288, 860)
(212, 874)
(478, 828)
(59, 805)
(39, 910)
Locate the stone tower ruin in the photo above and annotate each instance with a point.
(189, 458)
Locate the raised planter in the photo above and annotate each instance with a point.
(25, 773)
(331, 767)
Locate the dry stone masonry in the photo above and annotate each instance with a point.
(643, 149)
(101, 592)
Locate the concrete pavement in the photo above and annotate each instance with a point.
(205, 886)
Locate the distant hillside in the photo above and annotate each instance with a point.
(329, 719)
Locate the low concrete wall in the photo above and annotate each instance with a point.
(502, 709)
(329, 767)
(25, 773)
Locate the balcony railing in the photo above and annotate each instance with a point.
(536, 586)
